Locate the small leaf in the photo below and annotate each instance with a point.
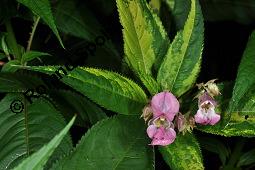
(183, 153)
(181, 65)
(39, 159)
(116, 143)
(8, 67)
(30, 55)
(108, 89)
(42, 8)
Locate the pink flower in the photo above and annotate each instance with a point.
(164, 107)
(161, 135)
(165, 103)
(206, 113)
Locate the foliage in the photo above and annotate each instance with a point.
(74, 64)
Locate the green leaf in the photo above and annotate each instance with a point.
(39, 159)
(43, 9)
(183, 153)
(8, 67)
(242, 121)
(116, 143)
(22, 134)
(69, 102)
(108, 89)
(238, 125)
(2, 56)
(145, 40)
(247, 158)
(76, 19)
(18, 82)
(30, 55)
(244, 75)
(181, 65)
(180, 12)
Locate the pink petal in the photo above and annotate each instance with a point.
(214, 119)
(151, 130)
(201, 118)
(165, 103)
(206, 98)
(164, 137)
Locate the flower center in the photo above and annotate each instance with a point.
(206, 106)
(161, 121)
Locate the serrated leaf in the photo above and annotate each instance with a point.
(22, 134)
(108, 89)
(116, 143)
(145, 40)
(238, 125)
(245, 79)
(30, 55)
(43, 9)
(181, 65)
(183, 153)
(242, 121)
(180, 12)
(18, 82)
(39, 159)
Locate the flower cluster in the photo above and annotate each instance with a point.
(163, 116)
(163, 108)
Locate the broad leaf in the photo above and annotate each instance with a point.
(22, 134)
(184, 153)
(18, 82)
(108, 89)
(181, 65)
(39, 159)
(245, 80)
(73, 103)
(145, 40)
(116, 143)
(43, 9)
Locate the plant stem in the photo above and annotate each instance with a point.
(12, 40)
(32, 33)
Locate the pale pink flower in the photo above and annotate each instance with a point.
(206, 113)
(164, 107)
(165, 103)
